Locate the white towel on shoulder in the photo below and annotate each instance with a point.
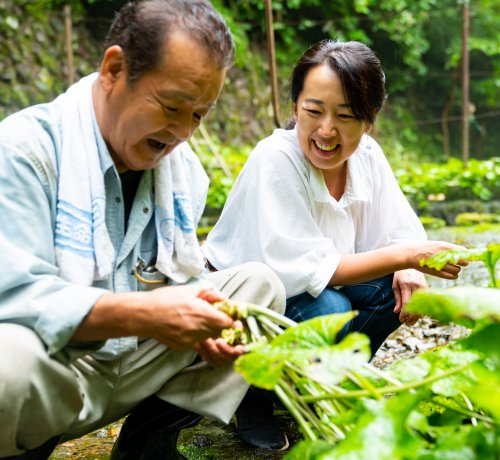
(83, 248)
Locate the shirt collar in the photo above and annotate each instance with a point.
(104, 156)
(356, 186)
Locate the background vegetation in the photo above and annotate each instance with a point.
(418, 42)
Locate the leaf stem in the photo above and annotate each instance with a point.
(387, 389)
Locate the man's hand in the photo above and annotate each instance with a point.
(180, 316)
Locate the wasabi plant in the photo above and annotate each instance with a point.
(441, 404)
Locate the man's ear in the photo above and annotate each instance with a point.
(113, 67)
(368, 128)
(294, 108)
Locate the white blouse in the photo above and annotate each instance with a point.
(280, 212)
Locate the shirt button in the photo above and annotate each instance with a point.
(145, 210)
(118, 199)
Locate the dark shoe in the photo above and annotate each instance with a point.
(151, 430)
(256, 425)
(40, 453)
(159, 446)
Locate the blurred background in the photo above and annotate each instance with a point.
(439, 128)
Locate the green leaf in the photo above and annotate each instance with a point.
(464, 442)
(309, 347)
(440, 259)
(381, 432)
(262, 367)
(316, 332)
(308, 450)
(469, 306)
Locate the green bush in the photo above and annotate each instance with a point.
(430, 182)
(432, 223)
(474, 218)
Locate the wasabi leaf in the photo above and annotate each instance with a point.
(469, 306)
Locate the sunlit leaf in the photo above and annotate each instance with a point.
(381, 432)
(316, 332)
(469, 306)
(465, 442)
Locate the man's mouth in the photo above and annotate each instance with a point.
(326, 147)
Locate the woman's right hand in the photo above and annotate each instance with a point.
(425, 249)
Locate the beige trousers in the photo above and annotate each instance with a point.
(41, 398)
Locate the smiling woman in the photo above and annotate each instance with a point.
(319, 203)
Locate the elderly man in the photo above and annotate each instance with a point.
(100, 197)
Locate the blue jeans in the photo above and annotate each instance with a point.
(374, 300)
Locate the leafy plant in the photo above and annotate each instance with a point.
(489, 256)
(452, 180)
(440, 404)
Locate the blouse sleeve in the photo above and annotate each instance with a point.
(269, 218)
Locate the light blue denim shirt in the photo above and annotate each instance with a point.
(31, 291)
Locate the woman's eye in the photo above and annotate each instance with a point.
(346, 116)
(197, 116)
(314, 112)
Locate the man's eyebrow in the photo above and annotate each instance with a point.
(177, 94)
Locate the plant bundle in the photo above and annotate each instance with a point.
(441, 404)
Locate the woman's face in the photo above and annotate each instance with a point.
(327, 130)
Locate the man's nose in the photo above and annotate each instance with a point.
(182, 128)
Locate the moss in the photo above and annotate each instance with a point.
(475, 218)
(432, 223)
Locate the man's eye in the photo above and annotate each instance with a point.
(346, 116)
(197, 116)
(314, 112)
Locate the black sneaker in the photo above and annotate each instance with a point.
(151, 430)
(256, 425)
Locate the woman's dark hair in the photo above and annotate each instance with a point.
(142, 28)
(358, 68)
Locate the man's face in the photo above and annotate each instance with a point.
(144, 121)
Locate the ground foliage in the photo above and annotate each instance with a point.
(441, 404)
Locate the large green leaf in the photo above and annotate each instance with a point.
(309, 347)
(316, 332)
(469, 306)
(465, 442)
(381, 432)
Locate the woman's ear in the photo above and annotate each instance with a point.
(294, 108)
(368, 128)
(112, 67)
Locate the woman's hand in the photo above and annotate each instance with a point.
(405, 283)
(425, 249)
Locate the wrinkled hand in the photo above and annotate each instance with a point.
(180, 316)
(425, 249)
(218, 352)
(405, 283)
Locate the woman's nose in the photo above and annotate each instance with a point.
(328, 128)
